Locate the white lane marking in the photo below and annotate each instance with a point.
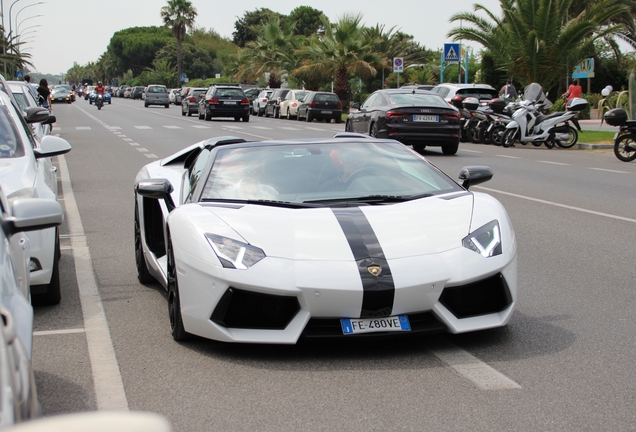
(58, 332)
(109, 388)
(607, 215)
(553, 163)
(261, 127)
(82, 128)
(471, 151)
(471, 368)
(142, 149)
(143, 127)
(173, 127)
(201, 127)
(134, 144)
(233, 127)
(128, 139)
(290, 128)
(609, 170)
(113, 127)
(318, 129)
(509, 157)
(152, 156)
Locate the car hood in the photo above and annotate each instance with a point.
(425, 226)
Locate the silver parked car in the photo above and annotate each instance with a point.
(157, 95)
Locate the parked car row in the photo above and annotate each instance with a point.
(297, 104)
(29, 239)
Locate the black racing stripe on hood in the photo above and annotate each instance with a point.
(379, 291)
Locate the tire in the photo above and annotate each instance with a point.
(143, 275)
(199, 115)
(288, 116)
(276, 112)
(373, 130)
(620, 150)
(348, 127)
(53, 294)
(183, 113)
(308, 119)
(484, 135)
(574, 137)
(450, 149)
(246, 118)
(473, 135)
(207, 116)
(509, 137)
(419, 147)
(265, 113)
(338, 120)
(259, 113)
(237, 119)
(145, 105)
(168, 106)
(496, 134)
(174, 304)
(189, 113)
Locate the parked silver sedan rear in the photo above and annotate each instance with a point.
(157, 95)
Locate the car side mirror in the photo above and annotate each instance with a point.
(474, 175)
(356, 106)
(157, 189)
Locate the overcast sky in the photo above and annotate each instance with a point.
(79, 31)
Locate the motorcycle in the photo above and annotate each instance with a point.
(99, 101)
(625, 138)
(530, 125)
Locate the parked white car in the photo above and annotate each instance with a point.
(17, 384)
(26, 171)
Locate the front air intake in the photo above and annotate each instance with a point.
(483, 297)
(250, 310)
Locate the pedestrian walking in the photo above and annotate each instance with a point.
(44, 94)
(508, 91)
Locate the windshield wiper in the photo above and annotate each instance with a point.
(371, 199)
(272, 203)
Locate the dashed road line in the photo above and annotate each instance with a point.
(59, 332)
(553, 163)
(609, 170)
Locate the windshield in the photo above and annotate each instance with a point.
(322, 171)
(533, 92)
(417, 99)
(10, 143)
(481, 94)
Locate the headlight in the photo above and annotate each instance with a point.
(235, 254)
(486, 240)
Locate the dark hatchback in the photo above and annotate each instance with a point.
(224, 101)
(190, 99)
(320, 105)
(273, 103)
(417, 117)
(136, 92)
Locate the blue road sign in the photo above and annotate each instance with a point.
(182, 77)
(451, 52)
(19, 74)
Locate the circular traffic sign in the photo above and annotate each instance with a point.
(398, 62)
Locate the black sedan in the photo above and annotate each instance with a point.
(417, 117)
(61, 94)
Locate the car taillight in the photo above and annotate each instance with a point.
(264, 100)
(312, 105)
(192, 99)
(452, 116)
(245, 102)
(294, 104)
(213, 101)
(339, 106)
(394, 114)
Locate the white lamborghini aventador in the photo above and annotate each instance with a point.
(267, 242)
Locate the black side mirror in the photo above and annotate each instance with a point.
(474, 175)
(156, 189)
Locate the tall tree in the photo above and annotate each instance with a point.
(344, 50)
(179, 15)
(539, 40)
(307, 19)
(247, 26)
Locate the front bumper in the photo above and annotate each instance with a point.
(437, 293)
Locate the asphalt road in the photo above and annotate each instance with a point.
(565, 361)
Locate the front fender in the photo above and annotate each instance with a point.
(512, 125)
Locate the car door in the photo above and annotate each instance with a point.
(362, 118)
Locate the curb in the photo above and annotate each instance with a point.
(583, 146)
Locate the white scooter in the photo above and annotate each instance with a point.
(529, 125)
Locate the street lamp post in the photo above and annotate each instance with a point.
(18, 13)
(17, 27)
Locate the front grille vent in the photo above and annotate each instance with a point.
(483, 297)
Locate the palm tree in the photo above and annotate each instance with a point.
(342, 51)
(178, 16)
(539, 40)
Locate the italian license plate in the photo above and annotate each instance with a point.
(229, 103)
(370, 325)
(326, 112)
(425, 118)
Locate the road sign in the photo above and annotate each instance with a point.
(451, 52)
(398, 64)
(19, 74)
(183, 78)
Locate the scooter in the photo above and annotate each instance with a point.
(625, 138)
(529, 125)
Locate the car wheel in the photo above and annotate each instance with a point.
(53, 293)
(277, 113)
(207, 116)
(140, 261)
(145, 105)
(174, 304)
(308, 118)
(167, 105)
(338, 119)
(246, 118)
(288, 116)
(373, 131)
(450, 149)
(259, 113)
(199, 115)
(419, 147)
(183, 113)
(237, 119)
(348, 127)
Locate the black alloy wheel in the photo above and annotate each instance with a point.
(174, 305)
